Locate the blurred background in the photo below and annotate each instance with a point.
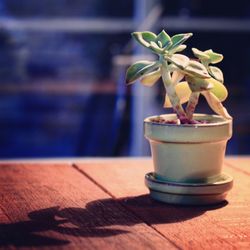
(62, 66)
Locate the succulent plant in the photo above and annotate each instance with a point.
(200, 77)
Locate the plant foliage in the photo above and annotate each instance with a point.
(184, 79)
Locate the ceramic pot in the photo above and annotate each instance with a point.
(188, 153)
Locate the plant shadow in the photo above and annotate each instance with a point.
(99, 218)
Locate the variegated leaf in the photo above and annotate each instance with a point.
(214, 57)
(139, 69)
(216, 105)
(179, 48)
(151, 78)
(200, 54)
(179, 39)
(144, 37)
(196, 69)
(155, 48)
(164, 38)
(180, 60)
(216, 73)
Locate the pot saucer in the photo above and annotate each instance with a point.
(211, 192)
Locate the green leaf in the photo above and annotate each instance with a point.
(200, 54)
(180, 60)
(196, 69)
(216, 73)
(214, 86)
(155, 48)
(140, 69)
(151, 78)
(165, 39)
(219, 90)
(144, 38)
(179, 39)
(214, 57)
(199, 84)
(207, 56)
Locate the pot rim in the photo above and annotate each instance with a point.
(200, 115)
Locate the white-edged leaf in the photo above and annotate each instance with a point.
(180, 60)
(179, 39)
(196, 69)
(207, 56)
(139, 69)
(214, 57)
(144, 37)
(164, 38)
(179, 48)
(155, 48)
(216, 105)
(216, 73)
(200, 54)
(151, 78)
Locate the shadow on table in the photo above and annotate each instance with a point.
(23, 233)
(99, 218)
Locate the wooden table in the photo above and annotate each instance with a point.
(103, 204)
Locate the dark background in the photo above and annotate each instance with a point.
(62, 90)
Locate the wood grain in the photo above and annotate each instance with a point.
(209, 227)
(54, 206)
(241, 163)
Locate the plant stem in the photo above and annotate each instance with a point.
(193, 100)
(170, 89)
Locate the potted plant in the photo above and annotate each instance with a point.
(187, 148)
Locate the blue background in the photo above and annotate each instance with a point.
(62, 92)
